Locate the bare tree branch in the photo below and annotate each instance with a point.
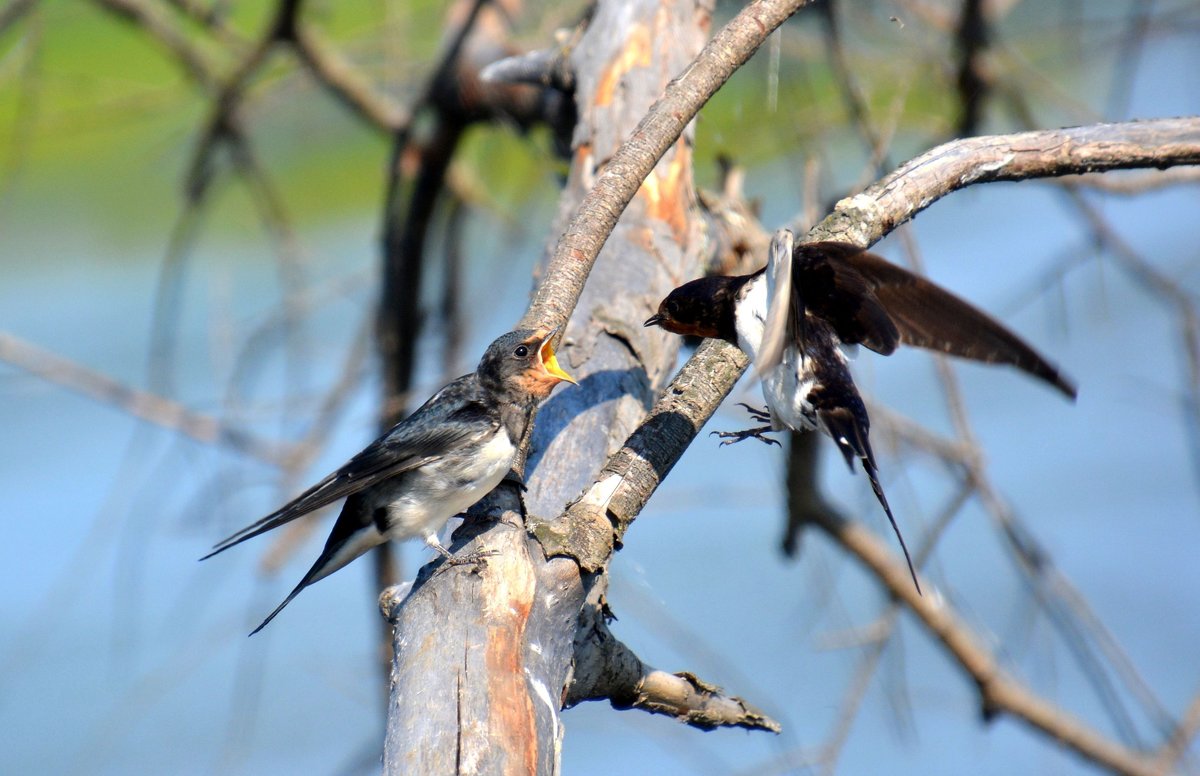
(140, 404)
(606, 669)
(882, 635)
(864, 218)
(971, 39)
(1171, 294)
(345, 82)
(211, 17)
(1176, 747)
(999, 692)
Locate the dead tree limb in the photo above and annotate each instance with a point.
(865, 218)
(503, 637)
(606, 669)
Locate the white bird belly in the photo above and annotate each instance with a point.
(426, 498)
(786, 385)
(786, 389)
(749, 317)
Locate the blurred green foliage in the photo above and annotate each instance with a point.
(98, 118)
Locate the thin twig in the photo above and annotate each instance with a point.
(1171, 294)
(869, 661)
(1176, 746)
(998, 691)
(347, 83)
(141, 404)
(211, 18)
(1033, 560)
(163, 29)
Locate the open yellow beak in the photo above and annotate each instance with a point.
(550, 363)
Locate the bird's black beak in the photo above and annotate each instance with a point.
(653, 320)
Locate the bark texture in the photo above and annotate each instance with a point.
(502, 638)
(621, 365)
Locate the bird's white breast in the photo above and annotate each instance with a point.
(785, 386)
(488, 468)
(749, 316)
(431, 495)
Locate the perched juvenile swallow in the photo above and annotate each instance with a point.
(430, 466)
(791, 317)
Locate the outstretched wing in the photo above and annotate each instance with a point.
(835, 290)
(871, 301)
(447, 421)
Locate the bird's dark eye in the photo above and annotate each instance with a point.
(672, 307)
(521, 351)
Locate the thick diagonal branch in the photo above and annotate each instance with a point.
(591, 528)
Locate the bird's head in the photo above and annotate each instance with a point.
(521, 365)
(701, 308)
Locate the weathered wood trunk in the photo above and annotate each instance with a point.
(484, 654)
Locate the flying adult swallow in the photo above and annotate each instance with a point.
(430, 466)
(792, 316)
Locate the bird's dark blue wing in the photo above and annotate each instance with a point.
(827, 284)
(452, 418)
(871, 301)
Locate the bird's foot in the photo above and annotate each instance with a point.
(762, 416)
(515, 479)
(470, 559)
(733, 437)
(512, 520)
